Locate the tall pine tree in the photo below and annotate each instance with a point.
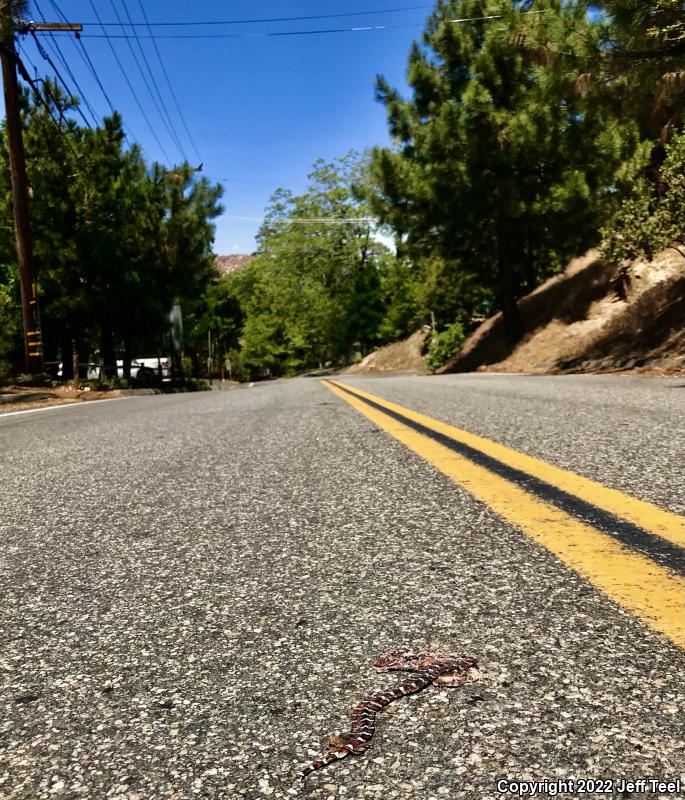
(507, 157)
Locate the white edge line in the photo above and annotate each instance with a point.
(59, 406)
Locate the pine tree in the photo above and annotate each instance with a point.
(650, 220)
(116, 243)
(647, 30)
(641, 58)
(315, 287)
(506, 156)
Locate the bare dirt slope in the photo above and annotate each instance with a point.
(404, 356)
(590, 318)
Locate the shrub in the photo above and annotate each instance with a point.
(650, 220)
(10, 326)
(444, 345)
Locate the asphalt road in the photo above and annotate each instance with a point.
(192, 589)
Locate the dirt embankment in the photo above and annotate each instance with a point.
(404, 356)
(592, 317)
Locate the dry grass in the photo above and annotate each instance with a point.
(591, 317)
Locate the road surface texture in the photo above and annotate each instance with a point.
(193, 588)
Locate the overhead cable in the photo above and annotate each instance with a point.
(127, 131)
(44, 54)
(258, 35)
(161, 106)
(95, 75)
(60, 57)
(169, 84)
(81, 94)
(271, 19)
(85, 57)
(315, 32)
(142, 73)
(21, 67)
(306, 220)
(132, 90)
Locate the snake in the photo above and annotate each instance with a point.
(426, 666)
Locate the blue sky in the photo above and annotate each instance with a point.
(260, 109)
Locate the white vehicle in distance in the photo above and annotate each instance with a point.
(147, 367)
(140, 368)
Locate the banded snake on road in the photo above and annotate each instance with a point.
(426, 666)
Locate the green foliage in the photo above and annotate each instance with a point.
(399, 291)
(504, 159)
(523, 137)
(12, 14)
(315, 288)
(10, 325)
(116, 242)
(642, 64)
(652, 217)
(444, 345)
(107, 384)
(650, 29)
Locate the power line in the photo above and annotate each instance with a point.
(169, 84)
(271, 19)
(132, 90)
(258, 35)
(65, 64)
(47, 58)
(319, 31)
(60, 56)
(494, 16)
(85, 57)
(140, 70)
(306, 220)
(163, 111)
(91, 67)
(40, 99)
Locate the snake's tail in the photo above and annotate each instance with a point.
(330, 758)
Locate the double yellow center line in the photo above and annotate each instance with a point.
(632, 550)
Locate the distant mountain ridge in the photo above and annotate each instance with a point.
(225, 265)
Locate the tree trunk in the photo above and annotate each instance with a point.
(107, 352)
(66, 351)
(83, 353)
(127, 358)
(506, 294)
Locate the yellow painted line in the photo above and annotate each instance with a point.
(649, 591)
(645, 515)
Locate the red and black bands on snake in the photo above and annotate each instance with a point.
(363, 724)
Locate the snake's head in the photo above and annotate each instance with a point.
(407, 660)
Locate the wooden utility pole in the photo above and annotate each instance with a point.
(60, 27)
(33, 340)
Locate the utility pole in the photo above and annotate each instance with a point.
(33, 340)
(209, 355)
